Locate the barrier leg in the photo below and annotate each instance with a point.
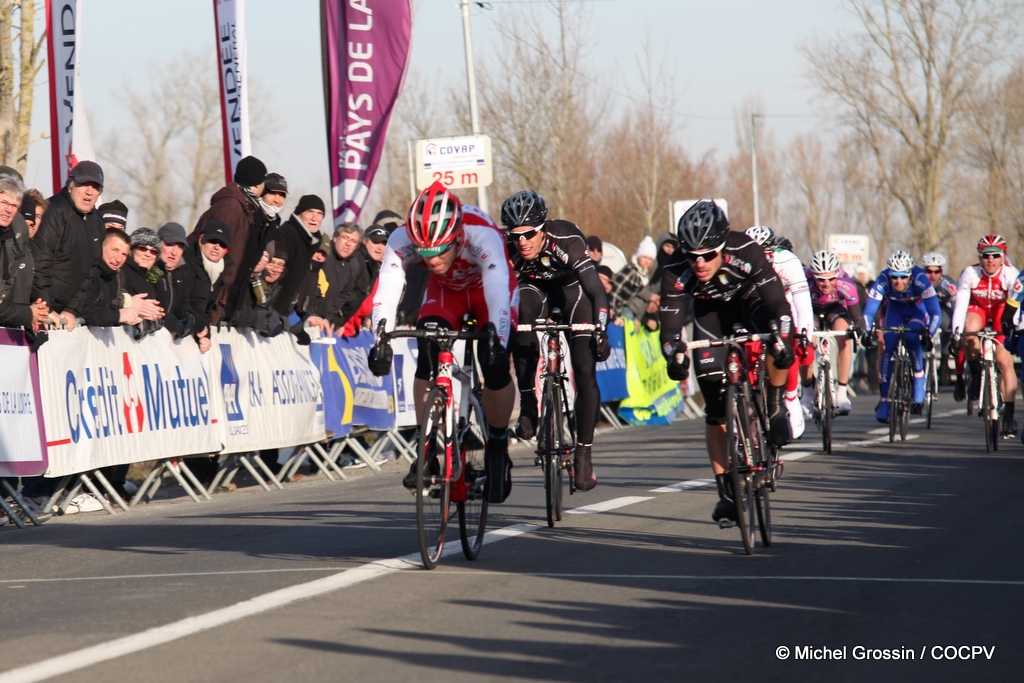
(321, 465)
(329, 461)
(371, 456)
(192, 479)
(228, 469)
(243, 460)
(114, 496)
(406, 450)
(96, 492)
(148, 482)
(292, 464)
(172, 467)
(71, 493)
(20, 503)
(57, 493)
(9, 511)
(267, 471)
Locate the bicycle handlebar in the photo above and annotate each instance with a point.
(544, 326)
(726, 341)
(904, 329)
(987, 334)
(438, 334)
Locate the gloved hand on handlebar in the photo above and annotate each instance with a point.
(603, 348)
(926, 342)
(867, 339)
(497, 355)
(379, 360)
(679, 363)
(954, 344)
(781, 348)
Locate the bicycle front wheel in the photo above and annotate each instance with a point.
(738, 439)
(550, 440)
(989, 411)
(906, 396)
(825, 401)
(933, 390)
(433, 490)
(473, 511)
(764, 515)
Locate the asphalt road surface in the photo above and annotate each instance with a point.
(880, 550)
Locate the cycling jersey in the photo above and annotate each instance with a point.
(946, 291)
(481, 265)
(843, 300)
(563, 261)
(918, 294)
(796, 283)
(982, 294)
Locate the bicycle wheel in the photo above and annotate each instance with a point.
(432, 491)
(988, 410)
(932, 392)
(764, 515)
(473, 512)
(550, 440)
(906, 396)
(738, 439)
(825, 403)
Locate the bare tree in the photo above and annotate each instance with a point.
(902, 86)
(811, 184)
(16, 102)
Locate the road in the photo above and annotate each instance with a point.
(908, 547)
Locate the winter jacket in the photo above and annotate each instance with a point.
(15, 274)
(204, 293)
(135, 280)
(300, 246)
(65, 250)
(348, 284)
(101, 300)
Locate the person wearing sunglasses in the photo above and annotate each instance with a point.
(556, 271)
(911, 301)
(980, 301)
(465, 255)
(835, 301)
(794, 280)
(730, 283)
(934, 265)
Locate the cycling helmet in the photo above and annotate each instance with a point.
(434, 222)
(525, 207)
(933, 259)
(824, 262)
(703, 226)
(989, 241)
(763, 235)
(784, 243)
(900, 262)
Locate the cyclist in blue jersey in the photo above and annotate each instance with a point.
(911, 302)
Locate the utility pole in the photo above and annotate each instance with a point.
(753, 166)
(474, 117)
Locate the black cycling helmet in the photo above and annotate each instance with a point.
(784, 243)
(703, 226)
(525, 207)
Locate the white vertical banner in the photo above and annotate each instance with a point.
(229, 17)
(70, 141)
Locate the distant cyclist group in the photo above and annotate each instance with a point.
(729, 285)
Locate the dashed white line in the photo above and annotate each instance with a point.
(684, 486)
(607, 505)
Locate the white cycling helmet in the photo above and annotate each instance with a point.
(933, 259)
(763, 235)
(900, 262)
(824, 262)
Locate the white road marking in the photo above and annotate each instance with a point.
(607, 505)
(758, 577)
(921, 420)
(785, 456)
(872, 442)
(684, 486)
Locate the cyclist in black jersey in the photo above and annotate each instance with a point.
(555, 271)
(731, 283)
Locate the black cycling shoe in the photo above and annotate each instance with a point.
(409, 480)
(498, 484)
(959, 389)
(526, 429)
(975, 382)
(725, 510)
(779, 431)
(583, 469)
(917, 409)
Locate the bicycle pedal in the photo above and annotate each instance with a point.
(726, 524)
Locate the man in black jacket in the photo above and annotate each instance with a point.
(15, 261)
(68, 243)
(207, 260)
(347, 276)
(300, 236)
(188, 291)
(102, 299)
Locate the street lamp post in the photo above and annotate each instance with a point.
(753, 167)
(474, 117)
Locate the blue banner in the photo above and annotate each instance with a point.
(611, 374)
(373, 398)
(337, 387)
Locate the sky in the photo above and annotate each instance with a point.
(723, 52)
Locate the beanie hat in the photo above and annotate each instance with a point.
(250, 172)
(114, 212)
(144, 237)
(310, 201)
(594, 242)
(276, 183)
(646, 248)
(389, 220)
(28, 208)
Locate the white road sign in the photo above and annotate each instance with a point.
(850, 248)
(455, 162)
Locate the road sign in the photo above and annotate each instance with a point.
(680, 206)
(850, 248)
(455, 162)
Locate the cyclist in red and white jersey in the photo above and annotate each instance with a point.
(467, 257)
(981, 296)
(794, 281)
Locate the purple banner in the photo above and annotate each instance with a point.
(22, 436)
(365, 55)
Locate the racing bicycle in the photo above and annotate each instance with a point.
(901, 382)
(990, 401)
(932, 360)
(556, 435)
(825, 410)
(450, 454)
(753, 467)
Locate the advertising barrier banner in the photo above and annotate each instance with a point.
(110, 400)
(373, 398)
(21, 423)
(269, 390)
(611, 374)
(653, 398)
(337, 390)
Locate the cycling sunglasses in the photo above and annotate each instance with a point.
(826, 279)
(524, 235)
(896, 276)
(933, 271)
(703, 256)
(991, 256)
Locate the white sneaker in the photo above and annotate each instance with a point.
(83, 502)
(796, 417)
